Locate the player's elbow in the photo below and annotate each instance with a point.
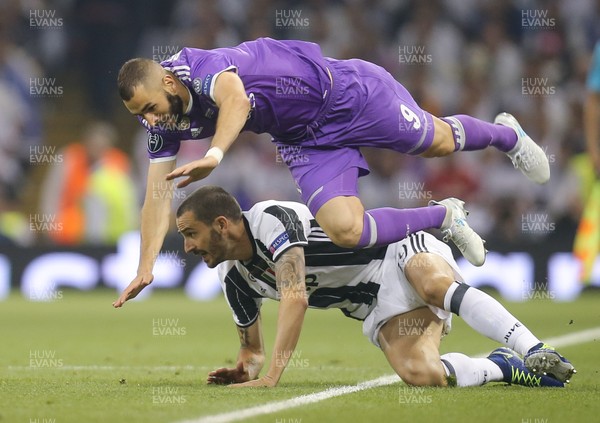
(244, 104)
(238, 102)
(295, 299)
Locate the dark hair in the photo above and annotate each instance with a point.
(132, 73)
(209, 202)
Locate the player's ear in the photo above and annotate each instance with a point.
(168, 82)
(220, 224)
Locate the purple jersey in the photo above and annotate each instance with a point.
(287, 82)
(319, 111)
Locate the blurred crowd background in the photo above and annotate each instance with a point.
(73, 161)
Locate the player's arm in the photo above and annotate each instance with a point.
(234, 105)
(156, 213)
(290, 275)
(250, 361)
(592, 128)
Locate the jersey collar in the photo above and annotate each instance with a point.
(190, 104)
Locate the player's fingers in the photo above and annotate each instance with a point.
(180, 171)
(218, 381)
(217, 372)
(122, 299)
(185, 182)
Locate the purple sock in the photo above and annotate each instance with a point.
(474, 134)
(387, 225)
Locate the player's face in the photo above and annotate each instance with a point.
(156, 104)
(202, 239)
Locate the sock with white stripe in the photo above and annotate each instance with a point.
(474, 134)
(387, 225)
(488, 317)
(469, 371)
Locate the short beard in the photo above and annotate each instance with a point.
(175, 106)
(217, 246)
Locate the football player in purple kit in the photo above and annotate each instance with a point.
(327, 107)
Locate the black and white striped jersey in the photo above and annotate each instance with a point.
(335, 277)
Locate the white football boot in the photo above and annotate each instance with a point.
(456, 228)
(526, 155)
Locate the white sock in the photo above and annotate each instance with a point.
(488, 317)
(471, 371)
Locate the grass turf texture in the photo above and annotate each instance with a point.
(77, 359)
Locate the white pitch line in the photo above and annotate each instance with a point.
(574, 338)
(273, 407)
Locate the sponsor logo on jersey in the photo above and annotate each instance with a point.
(155, 143)
(197, 84)
(196, 132)
(206, 85)
(279, 241)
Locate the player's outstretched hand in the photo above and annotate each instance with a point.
(596, 163)
(263, 382)
(134, 288)
(225, 376)
(196, 170)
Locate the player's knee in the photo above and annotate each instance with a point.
(344, 232)
(422, 372)
(430, 282)
(435, 288)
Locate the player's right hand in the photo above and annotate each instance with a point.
(225, 376)
(134, 288)
(596, 164)
(196, 170)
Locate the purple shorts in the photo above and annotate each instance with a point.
(366, 107)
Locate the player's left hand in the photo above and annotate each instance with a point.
(263, 382)
(134, 288)
(196, 170)
(225, 376)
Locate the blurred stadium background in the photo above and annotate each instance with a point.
(73, 161)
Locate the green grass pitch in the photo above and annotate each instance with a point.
(79, 360)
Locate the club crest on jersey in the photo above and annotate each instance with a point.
(155, 142)
(279, 241)
(184, 124)
(197, 85)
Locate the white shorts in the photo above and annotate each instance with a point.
(396, 295)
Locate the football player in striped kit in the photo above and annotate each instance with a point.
(405, 294)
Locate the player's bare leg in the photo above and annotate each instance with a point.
(411, 342)
(344, 220)
(443, 140)
(433, 280)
